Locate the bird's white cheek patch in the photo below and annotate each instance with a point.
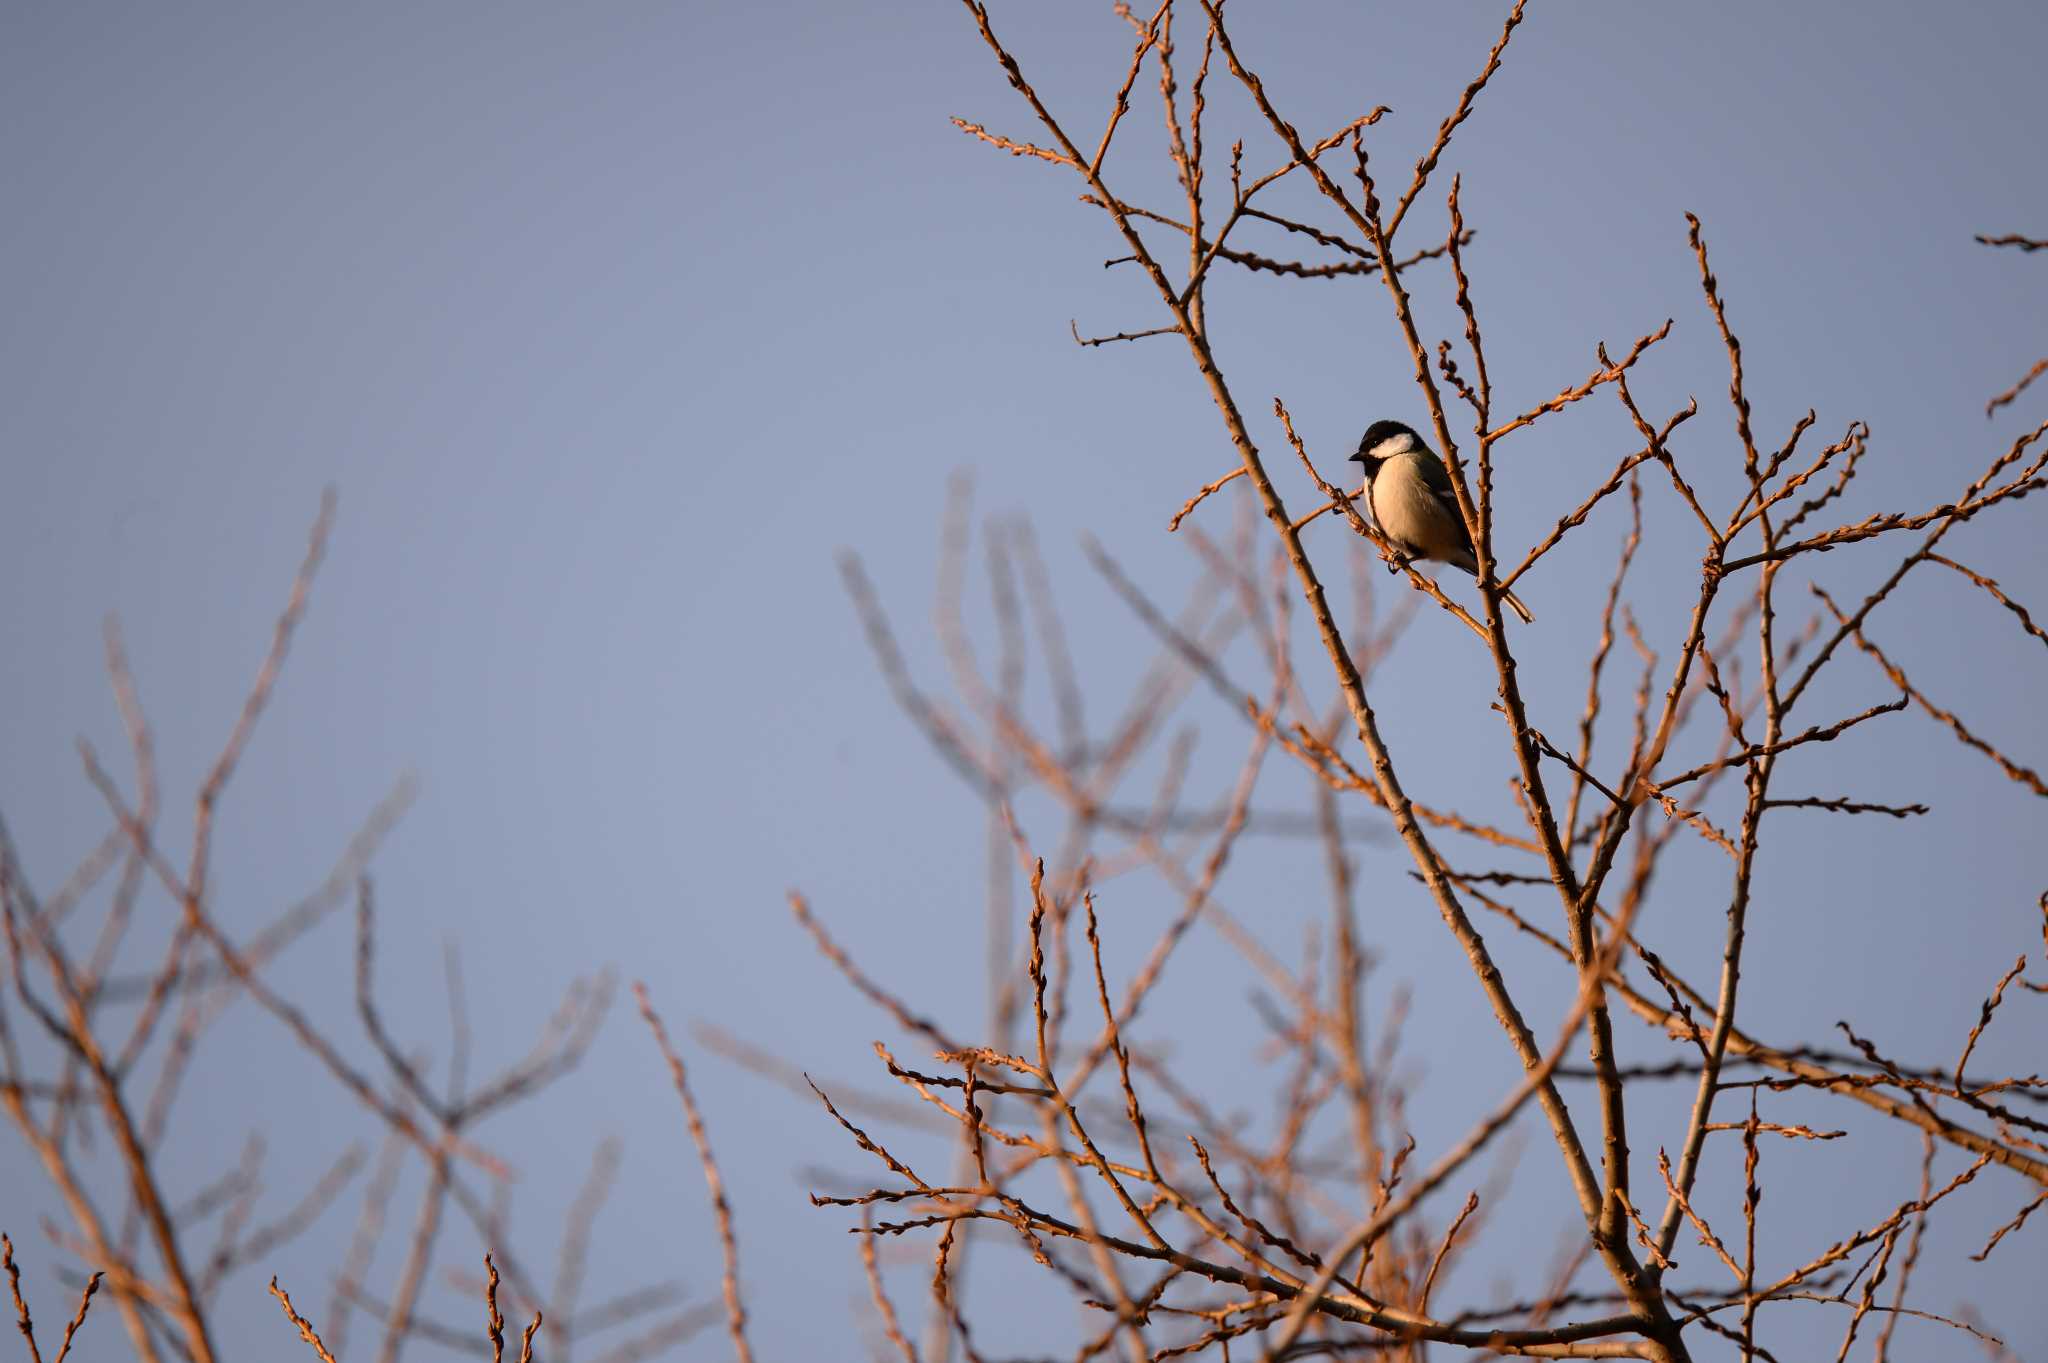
(1393, 445)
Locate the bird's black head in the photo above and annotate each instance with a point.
(1382, 441)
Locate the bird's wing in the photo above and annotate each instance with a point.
(1438, 480)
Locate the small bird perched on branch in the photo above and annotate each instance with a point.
(1410, 494)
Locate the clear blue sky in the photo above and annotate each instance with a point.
(612, 324)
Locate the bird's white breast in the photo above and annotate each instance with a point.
(1407, 510)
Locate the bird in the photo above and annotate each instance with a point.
(1410, 494)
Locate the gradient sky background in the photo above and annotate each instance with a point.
(612, 324)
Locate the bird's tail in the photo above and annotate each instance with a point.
(1471, 565)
